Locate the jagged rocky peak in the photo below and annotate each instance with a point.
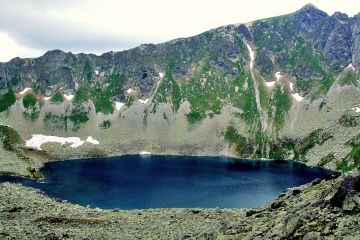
(55, 57)
(340, 16)
(311, 9)
(55, 52)
(308, 19)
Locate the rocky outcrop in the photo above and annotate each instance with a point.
(355, 47)
(308, 20)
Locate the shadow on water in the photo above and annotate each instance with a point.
(139, 182)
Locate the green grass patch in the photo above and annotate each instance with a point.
(101, 101)
(352, 159)
(30, 100)
(169, 90)
(114, 84)
(234, 138)
(57, 97)
(195, 116)
(324, 87)
(9, 137)
(129, 101)
(105, 124)
(82, 95)
(7, 100)
(248, 104)
(78, 116)
(348, 77)
(281, 148)
(280, 104)
(264, 93)
(206, 90)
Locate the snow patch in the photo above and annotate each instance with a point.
(356, 109)
(96, 72)
(46, 98)
(92, 140)
(291, 86)
(38, 139)
(118, 105)
(351, 66)
(144, 153)
(297, 97)
(161, 75)
(269, 84)
(143, 101)
(252, 55)
(278, 75)
(129, 91)
(25, 90)
(69, 97)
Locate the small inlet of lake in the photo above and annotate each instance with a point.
(141, 182)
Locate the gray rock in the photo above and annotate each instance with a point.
(312, 236)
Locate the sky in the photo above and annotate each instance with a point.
(29, 28)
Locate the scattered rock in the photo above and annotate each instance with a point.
(312, 236)
(351, 182)
(250, 212)
(316, 182)
(289, 225)
(296, 191)
(195, 211)
(277, 204)
(15, 209)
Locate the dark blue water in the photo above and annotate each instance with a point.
(138, 182)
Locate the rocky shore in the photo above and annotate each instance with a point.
(327, 209)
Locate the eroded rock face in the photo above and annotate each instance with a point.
(355, 47)
(347, 195)
(308, 20)
(337, 49)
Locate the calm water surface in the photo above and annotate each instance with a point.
(138, 182)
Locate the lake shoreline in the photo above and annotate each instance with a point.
(60, 159)
(36, 216)
(164, 181)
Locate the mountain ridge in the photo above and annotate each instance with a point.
(282, 87)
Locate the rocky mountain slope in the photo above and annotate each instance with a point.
(283, 87)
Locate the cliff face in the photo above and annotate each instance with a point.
(283, 87)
